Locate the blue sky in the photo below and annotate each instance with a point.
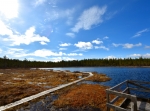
(54, 30)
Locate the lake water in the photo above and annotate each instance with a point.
(118, 74)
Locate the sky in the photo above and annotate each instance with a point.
(55, 30)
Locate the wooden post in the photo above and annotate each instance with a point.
(135, 104)
(108, 101)
(128, 87)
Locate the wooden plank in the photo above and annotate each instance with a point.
(116, 98)
(139, 85)
(118, 85)
(132, 97)
(141, 82)
(116, 108)
(140, 90)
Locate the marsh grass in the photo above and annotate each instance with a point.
(16, 84)
(82, 96)
(98, 77)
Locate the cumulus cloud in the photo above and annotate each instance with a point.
(140, 55)
(89, 17)
(70, 35)
(27, 38)
(4, 29)
(84, 45)
(64, 44)
(9, 8)
(101, 47)
(45, 53)
(140, 33)
(97, 41)
(127, 45)
(43, 43)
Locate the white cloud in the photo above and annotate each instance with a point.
(147, 47)
(62, 48)
(127, 45)
(15, 52)
(110, 57)
(45, 53)
(39, 2)
(84, 45)
(140, 33)
(106, 37)
(140, 55)
(74, 54)
(89, 17)
(70, 35)
(31, 59)
(43, 43)
(1, 50)
(27, 38)
(101, 47)
(57, 59)
(97, 41)
(9, 8)
(65, 44)
(4, 29)
(135, 55)
(146, 55)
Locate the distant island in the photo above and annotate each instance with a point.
(15, 63)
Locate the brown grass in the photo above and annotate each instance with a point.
(82, 96)
(16, 84)
(98, 77)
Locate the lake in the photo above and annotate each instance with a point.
(118, 74)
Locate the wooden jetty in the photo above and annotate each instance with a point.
(135, 96)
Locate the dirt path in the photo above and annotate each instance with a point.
(41, 94)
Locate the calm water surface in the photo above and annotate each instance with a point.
(118, 74)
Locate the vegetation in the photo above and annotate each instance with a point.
(16, 84)
(15, 63)
(85, 95)
(98, 77)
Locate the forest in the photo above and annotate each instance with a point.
(15, 63)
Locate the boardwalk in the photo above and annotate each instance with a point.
(41, 94)
(132, 101)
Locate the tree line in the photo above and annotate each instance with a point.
(15, 63)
